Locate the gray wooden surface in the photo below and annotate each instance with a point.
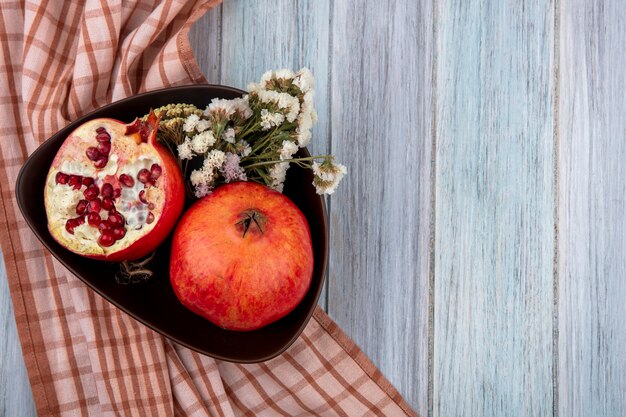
(478, 243)
(592, 209)
(494, 239)
(16, 398)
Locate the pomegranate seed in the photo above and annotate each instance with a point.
(94, 205)
(142, 196)
(103, 137)
(151, 206)
(118, 233)
(101, 162)
(104, 226)
(70, 225)
(143, 176)
(81, 219)
(106, 239)
(75, 181)
(87, 181)
(91, 192)
(116, 219)
(81, 207)
(107, 190)
(107, 202)
(61, 178)
(155, 171)
(127, 180)
(92, 153)
(150, 218)
(104, 147)
(93, 219)
(117, 192)
(100, 130)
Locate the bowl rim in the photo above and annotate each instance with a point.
(21, 202)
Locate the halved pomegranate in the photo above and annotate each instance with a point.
(112, 192)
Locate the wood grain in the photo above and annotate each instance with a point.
(16, 398)
(205, 38)
(493, 284)
(381, 119)
(592, 209)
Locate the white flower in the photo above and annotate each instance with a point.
(202, 141)
(190, 122)
(327, 176)
(306, 119)
(288, 149)
(289, 103)
(278, 173)
(203, 125)
(328, 170)
(274, 75)
(184, 150)
(243, 148)
(284, 73)
(229, 135)
(203, 179)
(304, 80)
(305, 122)
(254, 87)
(304, 129)
(220, 104)
(269, 120)
(197, 177)
(268, 96)
(267, 76)
(307, 99)
(222, 107)
(214, 160)
(242, 107)
(285, 101)
(303, 137)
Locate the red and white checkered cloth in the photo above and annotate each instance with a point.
(61, 59)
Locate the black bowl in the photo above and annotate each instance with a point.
(154, 303)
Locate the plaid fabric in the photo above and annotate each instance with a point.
(61, 59)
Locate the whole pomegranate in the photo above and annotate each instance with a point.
(112, 192)
(242, 256)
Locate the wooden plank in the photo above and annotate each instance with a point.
(592, 209)
(494, 245)
(381, 129)
(16, 398)
(258, 36)
(205, 39)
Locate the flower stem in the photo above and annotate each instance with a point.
(308, 158)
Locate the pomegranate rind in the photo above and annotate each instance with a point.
(60, 200)
(241, 282)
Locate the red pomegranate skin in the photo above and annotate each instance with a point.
(170, 194)
(236, 281)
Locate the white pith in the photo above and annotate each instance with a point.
(128, 204)
(61, 200)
